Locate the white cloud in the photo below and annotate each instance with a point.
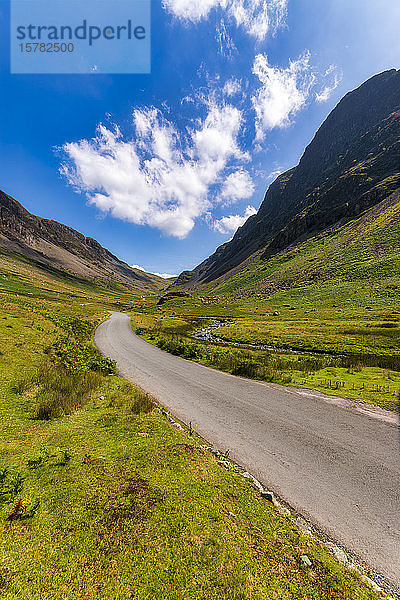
(328, 90)
(162, 275)
(232, 87)
(330, 69)
(191, 10)
(237, 186)
(283, 92)
(274, 175)
(257, 17)
(165, 275)
(230, 224)
(225, 42)
(159, 177)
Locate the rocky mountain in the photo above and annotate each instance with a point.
(56, 246)
(352, 164)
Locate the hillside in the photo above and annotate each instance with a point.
(351, 165)
(363, 254)
(51, 245)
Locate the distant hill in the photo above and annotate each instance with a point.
(351, 165)
(56, 246)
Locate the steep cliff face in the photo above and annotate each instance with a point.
(352, 163)
(56, 245)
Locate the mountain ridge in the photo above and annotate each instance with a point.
(351, 164)
(50, 243)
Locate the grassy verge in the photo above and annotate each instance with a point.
(103, 499)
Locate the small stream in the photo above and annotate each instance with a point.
(206, 335)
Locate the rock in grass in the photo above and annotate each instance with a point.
(305, 560)
(303, 525)
(267, 495)
(371, 583)
(338, 552)
(282, 509)
(255, 481)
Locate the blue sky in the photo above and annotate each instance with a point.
(162, 168)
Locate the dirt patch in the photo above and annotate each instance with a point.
(131, 500)
(185, 449)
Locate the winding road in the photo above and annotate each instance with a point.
(334, 461)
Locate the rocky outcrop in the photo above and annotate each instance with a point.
(171, 296)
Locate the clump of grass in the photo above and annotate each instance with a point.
(10, 484)
(24, 509)
(19, 387)
(141, 403)
(59, 458)
(61, 392)
(130, 398)
(178, 346)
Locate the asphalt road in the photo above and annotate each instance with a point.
(336, 463)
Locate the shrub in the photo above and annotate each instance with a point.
(10, 485)
(61, 391)
(78, 328)
(246, 368)
(129, 398)
(75, 355)
(179, 347)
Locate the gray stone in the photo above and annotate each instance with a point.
(305, 560)
(371, 583)
(303, 525)
(338, 552)
(254, 481)
(281, 509)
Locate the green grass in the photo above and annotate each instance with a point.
(374, 379)
(364, 255)
(376, 337)
(106, 500)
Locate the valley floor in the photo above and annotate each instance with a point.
(100, 497)
(319, 353)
